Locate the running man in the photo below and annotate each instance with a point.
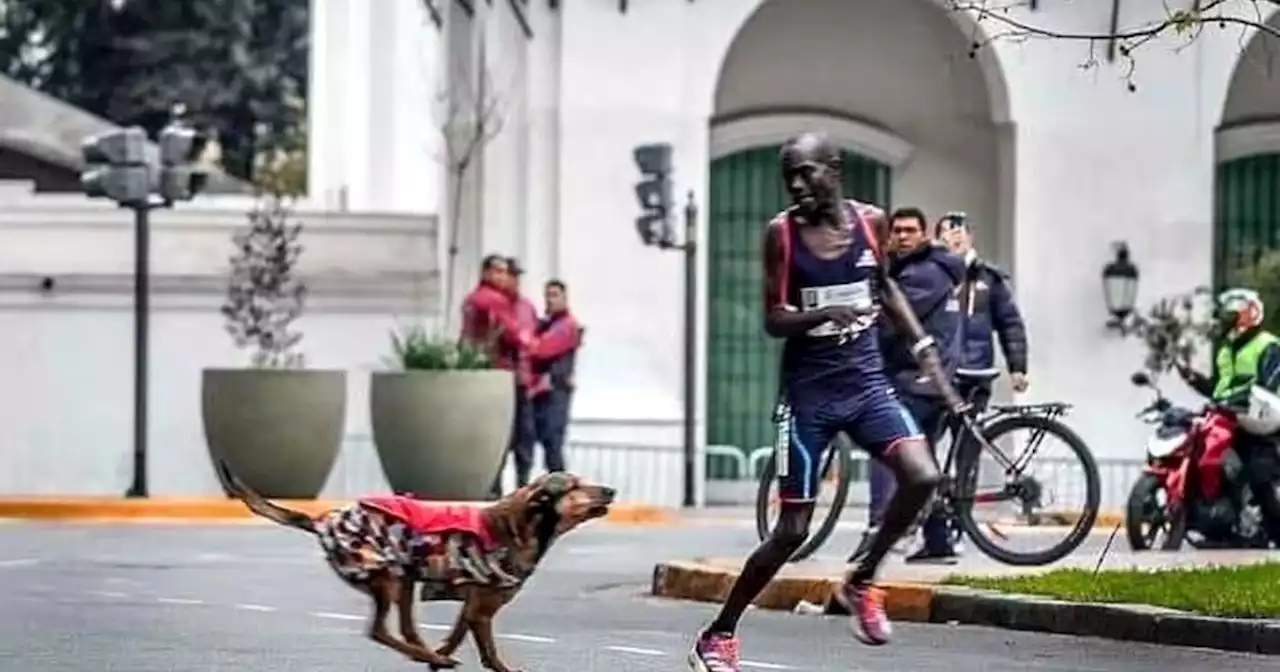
(825, 283)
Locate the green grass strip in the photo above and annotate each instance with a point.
(1241, 591)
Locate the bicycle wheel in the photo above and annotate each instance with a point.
(968, 493)
(836, 456)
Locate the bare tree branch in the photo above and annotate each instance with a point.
(998, 20)
(471, 115)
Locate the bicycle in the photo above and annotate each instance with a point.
(977, 431)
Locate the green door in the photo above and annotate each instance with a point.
(742, 363)
(1247, 213)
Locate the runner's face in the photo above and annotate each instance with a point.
(810, 183)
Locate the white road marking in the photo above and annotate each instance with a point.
(21, 562)
(434, 626)
(337, 617)
(636, 650)
(178, 600)
(529, 638)
(107, 593)
(254, 607)
(764, 666)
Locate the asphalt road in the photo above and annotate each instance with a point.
(100, 598)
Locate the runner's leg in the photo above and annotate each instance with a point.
(716, 649)
(885, 428)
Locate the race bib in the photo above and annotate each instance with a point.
(856, 295)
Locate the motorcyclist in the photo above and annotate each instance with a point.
(1247, 355)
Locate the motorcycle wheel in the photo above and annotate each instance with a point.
(1140, 510)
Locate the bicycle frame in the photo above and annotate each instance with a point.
(968, 428)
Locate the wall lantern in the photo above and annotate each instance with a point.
(1120, 287)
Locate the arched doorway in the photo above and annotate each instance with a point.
(1247, 174)
(915, 116)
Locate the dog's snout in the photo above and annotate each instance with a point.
(608, 493)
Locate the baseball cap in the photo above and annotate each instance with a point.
(514, 265)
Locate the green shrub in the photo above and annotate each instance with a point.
(417, 349)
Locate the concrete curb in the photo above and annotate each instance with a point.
(211, 510)
(925, 603)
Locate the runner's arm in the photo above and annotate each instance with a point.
(782, 320)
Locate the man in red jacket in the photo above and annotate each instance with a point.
(489, 320)
(488, 315)
(552, 358)
(525, 319)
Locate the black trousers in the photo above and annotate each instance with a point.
(519, 443)
(1261, 469)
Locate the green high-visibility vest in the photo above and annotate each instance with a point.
(1237, 367)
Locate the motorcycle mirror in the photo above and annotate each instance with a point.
(1140, 378)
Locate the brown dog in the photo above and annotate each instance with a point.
(478, 555)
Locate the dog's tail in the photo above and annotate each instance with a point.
(261, 505)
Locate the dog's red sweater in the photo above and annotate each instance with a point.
(426, 517)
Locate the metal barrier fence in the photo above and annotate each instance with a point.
(642, 474)
(1061, 478)
(653, 474)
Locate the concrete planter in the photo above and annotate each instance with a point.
(442, 434)
(279, 430)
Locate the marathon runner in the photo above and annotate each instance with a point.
(825, 284)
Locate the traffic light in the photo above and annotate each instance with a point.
(654, 193)
(116, 166)
(181, 176)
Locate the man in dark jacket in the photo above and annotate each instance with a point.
(929, 276)
(990, 310)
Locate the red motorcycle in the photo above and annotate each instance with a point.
(1193, 486)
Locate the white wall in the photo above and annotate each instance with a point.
(1091, 163)
(376, 75)
(66, 394)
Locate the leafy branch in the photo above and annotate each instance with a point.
(264, 293)
(1002, 20)
(1175, 328)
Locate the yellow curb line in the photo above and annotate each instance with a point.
(704, 583)
(1104, 519)
(197, 510)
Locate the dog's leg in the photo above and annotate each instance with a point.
(386, 590)
(478, 614)
(409, 630)
(459, 631)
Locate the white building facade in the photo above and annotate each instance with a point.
(1053, 162)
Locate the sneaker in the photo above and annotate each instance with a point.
(926, 556)
(867, 617)
(714, 652)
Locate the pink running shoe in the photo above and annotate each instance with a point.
(715, 652)
(867, 617)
